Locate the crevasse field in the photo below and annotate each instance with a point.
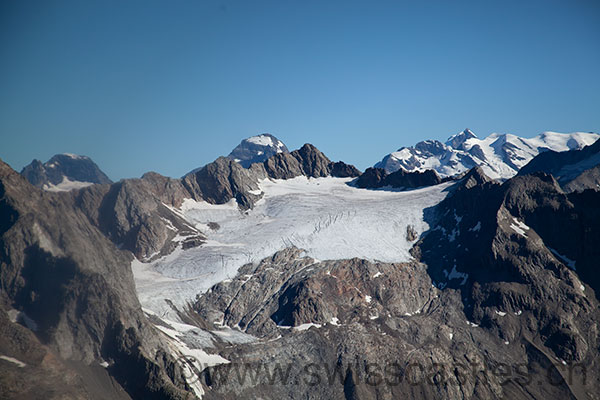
(326, 217)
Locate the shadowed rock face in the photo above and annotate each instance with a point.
(62, 273)
(137, 214)
(508, 248)
(374, 178)
(74, 168)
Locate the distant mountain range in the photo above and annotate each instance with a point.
(499, 155)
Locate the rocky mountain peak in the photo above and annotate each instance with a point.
(456, 141)
(64, 172)
(257, 149)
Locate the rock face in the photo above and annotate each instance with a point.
(64, 172)
(138, 215)
(500, 156)
(359, 329)
(575, 170)
(307, 161)
(224, 179)
(257, 149)
(509, 249)
(377, 178)
(64, 280)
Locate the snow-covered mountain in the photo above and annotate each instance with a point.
(257, 149)
(64, 172)
(500, 155)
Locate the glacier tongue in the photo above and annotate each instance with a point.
(324, 216)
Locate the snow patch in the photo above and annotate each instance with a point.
(65, 185)
(303, 327)
(261, 140)
(519, 227)
(19, 364)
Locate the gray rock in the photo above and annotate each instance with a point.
(77, 287)
(374, 178)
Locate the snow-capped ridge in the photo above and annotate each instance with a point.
(499, 155)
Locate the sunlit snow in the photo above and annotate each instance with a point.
(326, 217)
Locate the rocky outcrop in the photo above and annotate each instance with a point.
(64, 172)
(138, 214)
(74, 291)
(224, 179)
(307, 161)
(374, 178)
(588, 179)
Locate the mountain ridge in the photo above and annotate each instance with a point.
(500, 155)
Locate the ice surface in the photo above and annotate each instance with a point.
(326, 217)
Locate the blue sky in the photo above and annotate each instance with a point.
(170, 85)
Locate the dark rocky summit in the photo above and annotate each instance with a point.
(374, 178)
(225, 179)
(71, 167)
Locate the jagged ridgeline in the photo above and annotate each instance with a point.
(437, 273)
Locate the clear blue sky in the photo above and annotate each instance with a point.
(170, 85)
